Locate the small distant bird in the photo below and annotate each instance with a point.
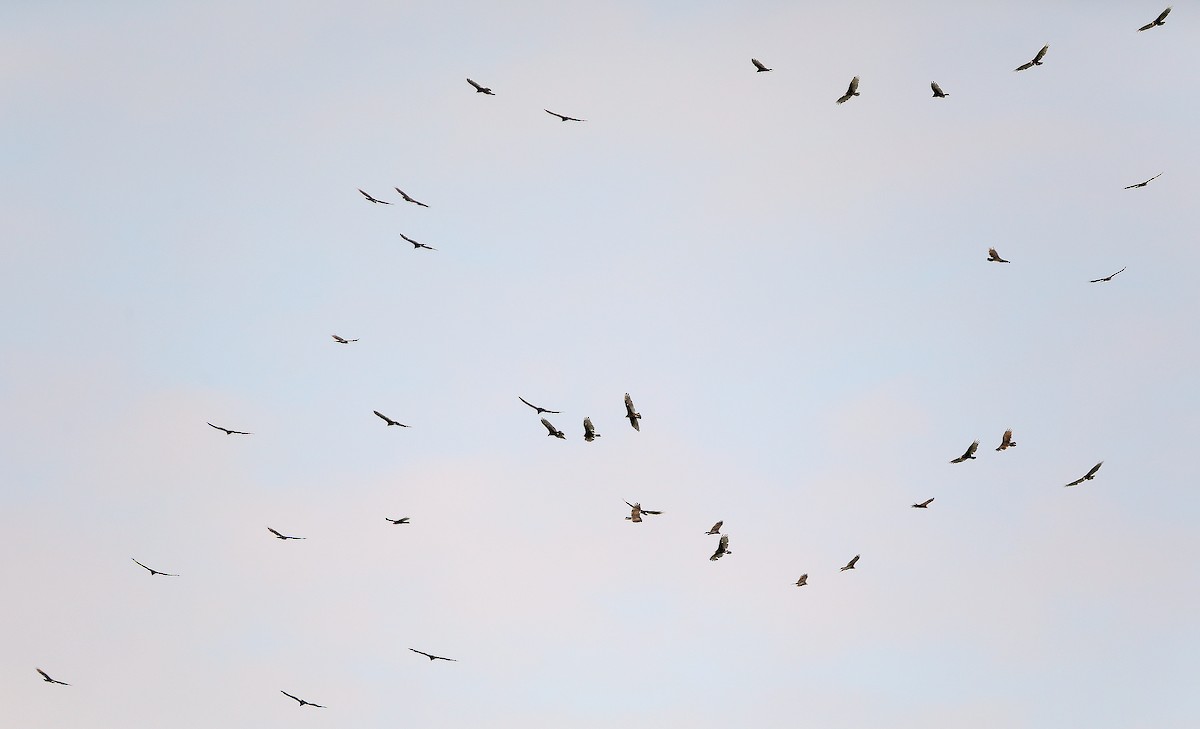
(1106, 278)
(388, 420)
(633, 415)
(923, 505)
(1160, 20)
(480, 89)
(371, 199)
(1006, 441)
(401, 520)
(803, 580)
(416, 245)
(722, 548)
(1088, 476)
(228, 431)
(759, 65)
(538, 409)
(1037, 60)
(340, 340)
(994, 257)
(282, 536)
(635, 515)
(404, 195)
(561, 117)
(716, 528)
(432, 657)
(552, 430)
(970, 453)
(47, 679)
(153, 572)
(850, 92)
(937, 90)
(303, 703)
(589, 431)
(850, 564)
(1143, 184)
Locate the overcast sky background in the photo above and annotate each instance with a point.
(795, 293)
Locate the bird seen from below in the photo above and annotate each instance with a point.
(803, 580)
(480, 89)
(152, 571)
(923, 505)
(371, 199)
(303, 703)
(1107, 278)
(1006, 441)
(341, 340)
(589, 431)
(1087, 476)
(283, 536)
(404, 195)
(401, 520)
(716, 528)
(1143, 184)
(562, 117)
(47, 679)
(388, 420)
(1037, 60)
(538, 409)
(633, 415)
(432, 657)
(758, 65)
(636, 511)
(851, 563)
(851, 92)
(969, 454)
(227, 431)
(994, 257)
(416, 245)
(551, 430)
(1160, 20)
(937, 90)
(722, 548)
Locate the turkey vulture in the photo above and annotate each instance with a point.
(850, 564)
(759, 65)
(480, 89)
(416, 245)
(923, 505)
(994, 257)
(716, 528)
(538, 409)
(589, 431)
(1143, 184)
(635, 515)
(404, 195)
(937, 90)
(282, 536)
(1088, 476)
(1006, 441)
(432, 657)
(228, 431)
(1037, 60)
(1106, 278)
(850, 92)
(803, 580)
(47, 679)
(388, 420)
(302, 701)
(371, 199)
(633, 415)
(401, 520)
(563, 118)
(722, 548)
(970, 454)
(153, 572)
(1160, 20)
(340, 340)
(552, 430)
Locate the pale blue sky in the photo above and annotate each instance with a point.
(794, 292)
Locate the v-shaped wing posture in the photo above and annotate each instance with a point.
(535, 407)
(1143, 184)
(1087, 476)
(937, 90)
(716, 528)
(1037, 60)
(1160, 20)
(850, 564)
(1107, 278)
(432, 657)
(227, 431)
(401, 520)
(970, 453)
(923, 505)
(302, 701)
(404, 195)
(371, 199)
(153, 572)
(341, 340)
(388, 420)
(633, 415)
(722, 548)
(759, 65)
(803, 580)
(282, 536)
(480, 89)
(563, 118)
(1006, 441)
(589, 430)
(551, 430)
(416, 245)
(851, 92)
(47, 679)
(994, 257)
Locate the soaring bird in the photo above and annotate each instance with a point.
(404, 195)
(480, 89)
(561, 117)
(803, 580)
(589, 431)
(759, 65)
(1106, 278)
(1143, 184)
(401, 520)
(1160, 20)
(633, 415)
(851, 91)
(1037, 60)
(937, 90)
(716, 528)
(970, 453)
(416, 245)
(1006, 441)
(341, 340)
(850, 564)
(923, 505)
(283, 536)
(228, 431)
(535, 407)
(432, 657)
(302, 701)
(388, 420)
(635, 515)
(371, 199)
(722, 548)
(994, 257)
(1087, 476)
(552, 430)
(47, 679)
(153, 572)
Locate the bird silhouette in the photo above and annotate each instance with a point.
(1087, 476)
(716, 528)
(480, 89)
(937, 90)
(283, 536)
(303, 703)
(432, 657)
(994, 257)
(371, 199)
(153, 571)
(589, 431)
(340, 340)
(401, 520)
(852, 91)
(227, 431)
(1160, 20)
(1037, 60)
(404, 195)
(535, 407)
(759, 65)
(1143, 184)
(552, 430)
(803, 580)
(722, 548)
(923, 505)
(636, 511)
(47, 679)
(563, 118)
(850, 564)
(969, 454)
(633, 415)
(415, 244)
(388, 420)
(1006, 441)
(1106, 278)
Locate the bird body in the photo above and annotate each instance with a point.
(758, 65)
(851, 91)
(1087, 476)
(969, 454)
(937, 90)
(388, 420)
(1037, 60)
(480, 89)
(1160, 20)
(923, 505)
(850, 564)
(47, 679)
(722, 548)
(633, 415)
(994, 257)
(803, 580)
(716, 528)
(1006, 441)
(551, 430)
(589, 431)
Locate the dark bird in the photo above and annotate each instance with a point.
(1006, 441)
(416, 245)
(589, 431)
(803, 580)
(388, 420)
(340, 340)
(1106, 278)
(759, 65)
(480, 89)
(302, 701)
(850, 92)
(1087, 476)
(937, 90)
(970, 453)
(994, 257)
(535, 407)
(1160, 20)
(1037, 60)
(401, 520)
(552, 430)
(1147, 182)
(228, 431)
(716, 528)
(153, 571)
(923, 505)
(722, 548)
(635, 515)
(850, 564)
(563, 118)
(282, 536)
(432, 657)
(404, 195)
(371, 199)
(633, 415)
(47, 679)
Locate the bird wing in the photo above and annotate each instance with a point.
(336, 338)
(971, 449)
(385, 418)
(44, 674)
(1147, 26)
(1077, 481)
(992, 252)
(716, 528)
(758, 64)
(926, 502)
(937, 90)
(1163, 15)
(648, 511)
(1024, 66)
(549, 426)
(853, 88)
(478, 88)
(560, 116)
(285, 693)
(589, 430)
(1005, 441)
(852, 562)
(410, 240)
(1041, 54)
(803, 580)
(629, 406)
(1095, 468)
(225, 430)
(141, 565)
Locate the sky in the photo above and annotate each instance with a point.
(795, 294)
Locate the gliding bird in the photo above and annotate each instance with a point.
(404, 195)
(970, 453)
(282, 536)
(153, 572)
(1147, 182)
(850, 564)
(1088, 476)
(535, 407)
(340, 340)
(552, 430)
(923, 505)
(722, 548)
(850, 92)
(1160, 20)
(759, 65)
(937, 90)
(1106, 278)
(228, 431)
(994, 257)
(563, 118)
(480, 89)
(633, 415)
(416, 245)
(371, 199)
(589, 431)
(47, 679)
(1037, 60)
(1006, 441)
(388, 420)
(716, 528)
(432, 657)
(303, 703)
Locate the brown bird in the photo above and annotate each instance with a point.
(633, 415)
(303, 703)
(416, 245)
(759, 65)
(850, 92)
(1160, 20)
(561, 117)
(432, 657)
(923, 505)
(538, 409)
(371, 199)
(1006, 441)
(635, 515)
(401, 520)
(850, 564)
(970, 453)
(388, 420)
(552, 430)
(722, 548)
(1106, 278)
(589, 431)
(47, 679)
(404, 195)
(937, 90)
(1088, 476)
(480, 89)
(227, 431)
(153, 572)
(1037, 60)
(994, 257)
(340, 340)
(716, 528)
(1143, 184)
(281, 536)
(803, 580)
